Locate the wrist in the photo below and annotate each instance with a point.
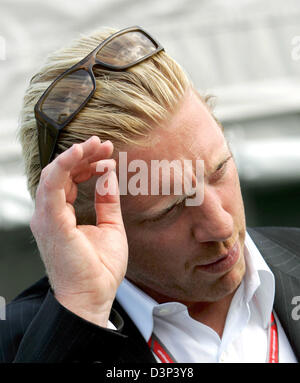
(95, 313)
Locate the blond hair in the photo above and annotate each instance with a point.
(124, 108)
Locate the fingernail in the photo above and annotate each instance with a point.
(92, 137)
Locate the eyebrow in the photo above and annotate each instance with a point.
(182, 198)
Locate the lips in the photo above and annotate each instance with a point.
(216, 260)
(222, 263)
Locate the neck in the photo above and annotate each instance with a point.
(212, 314)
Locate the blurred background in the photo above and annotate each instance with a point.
(245, 52)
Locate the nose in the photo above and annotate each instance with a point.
(212, 220)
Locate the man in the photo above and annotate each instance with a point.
(197, 288)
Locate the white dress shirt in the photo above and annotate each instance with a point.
(245, 336)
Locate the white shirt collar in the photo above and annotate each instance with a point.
(258, 280)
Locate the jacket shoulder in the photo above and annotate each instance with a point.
(18, 315)
(288, 237)
(280, 246)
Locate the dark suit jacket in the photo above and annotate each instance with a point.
(39, 329)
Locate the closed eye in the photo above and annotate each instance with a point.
(218, 173)
(177, 206)
(220, 170)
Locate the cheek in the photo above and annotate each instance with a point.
(150, 258)
(156, 241)
(161, 247)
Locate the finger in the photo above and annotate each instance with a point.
(93, 170)
(107, 206)
(101, 151)
(87, 168)
(58, 178)
(46, 170)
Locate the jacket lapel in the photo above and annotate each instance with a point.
(281, 250)
(137, 349)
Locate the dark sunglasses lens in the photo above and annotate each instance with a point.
(126, 49)
(67, 95)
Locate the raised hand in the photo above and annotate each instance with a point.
(85, 263)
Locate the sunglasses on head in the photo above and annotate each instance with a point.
(70, 91)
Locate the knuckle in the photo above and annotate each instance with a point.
(48, 185)
(77, 148)
(60, 161)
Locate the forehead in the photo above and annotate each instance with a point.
(190, 133)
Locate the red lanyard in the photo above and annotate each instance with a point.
(273, 341)
(166, 357)
(160, 350)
